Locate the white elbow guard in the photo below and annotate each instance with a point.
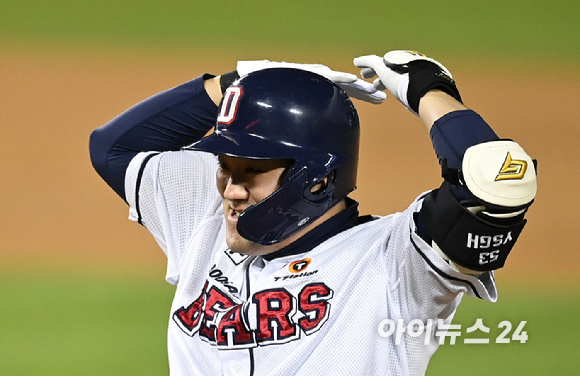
(500, 173)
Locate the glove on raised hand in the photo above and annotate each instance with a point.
(350, 83)
(408, 75)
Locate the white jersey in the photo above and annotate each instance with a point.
(315, 313)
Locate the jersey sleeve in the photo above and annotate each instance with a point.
(423, 282)
(171, 194)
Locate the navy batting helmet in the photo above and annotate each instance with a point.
(284, 113)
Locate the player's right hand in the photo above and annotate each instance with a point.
(350, 83)
(408, 75)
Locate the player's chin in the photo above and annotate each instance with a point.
(239, 244)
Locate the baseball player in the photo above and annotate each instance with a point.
(276, 273)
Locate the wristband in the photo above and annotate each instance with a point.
(425, 76)
(227, 79)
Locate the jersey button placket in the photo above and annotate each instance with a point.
(235, 362)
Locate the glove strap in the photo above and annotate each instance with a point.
(425, 76)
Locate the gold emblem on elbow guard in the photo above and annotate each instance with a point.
(512, 169)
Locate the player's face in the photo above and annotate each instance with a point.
(243, 182)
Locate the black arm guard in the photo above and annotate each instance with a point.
(474, 241)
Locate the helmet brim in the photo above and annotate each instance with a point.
(244, 146)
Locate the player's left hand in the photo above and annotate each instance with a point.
(350, 83)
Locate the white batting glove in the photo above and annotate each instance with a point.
(350, 83)
(408, 75)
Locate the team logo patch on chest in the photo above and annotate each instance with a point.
(272, 316)
(297, 269)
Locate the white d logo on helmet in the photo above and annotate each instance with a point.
(229, 107)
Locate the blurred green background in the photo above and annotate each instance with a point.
(70, 310)
(494, 29)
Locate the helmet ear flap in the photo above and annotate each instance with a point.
(276, 217)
